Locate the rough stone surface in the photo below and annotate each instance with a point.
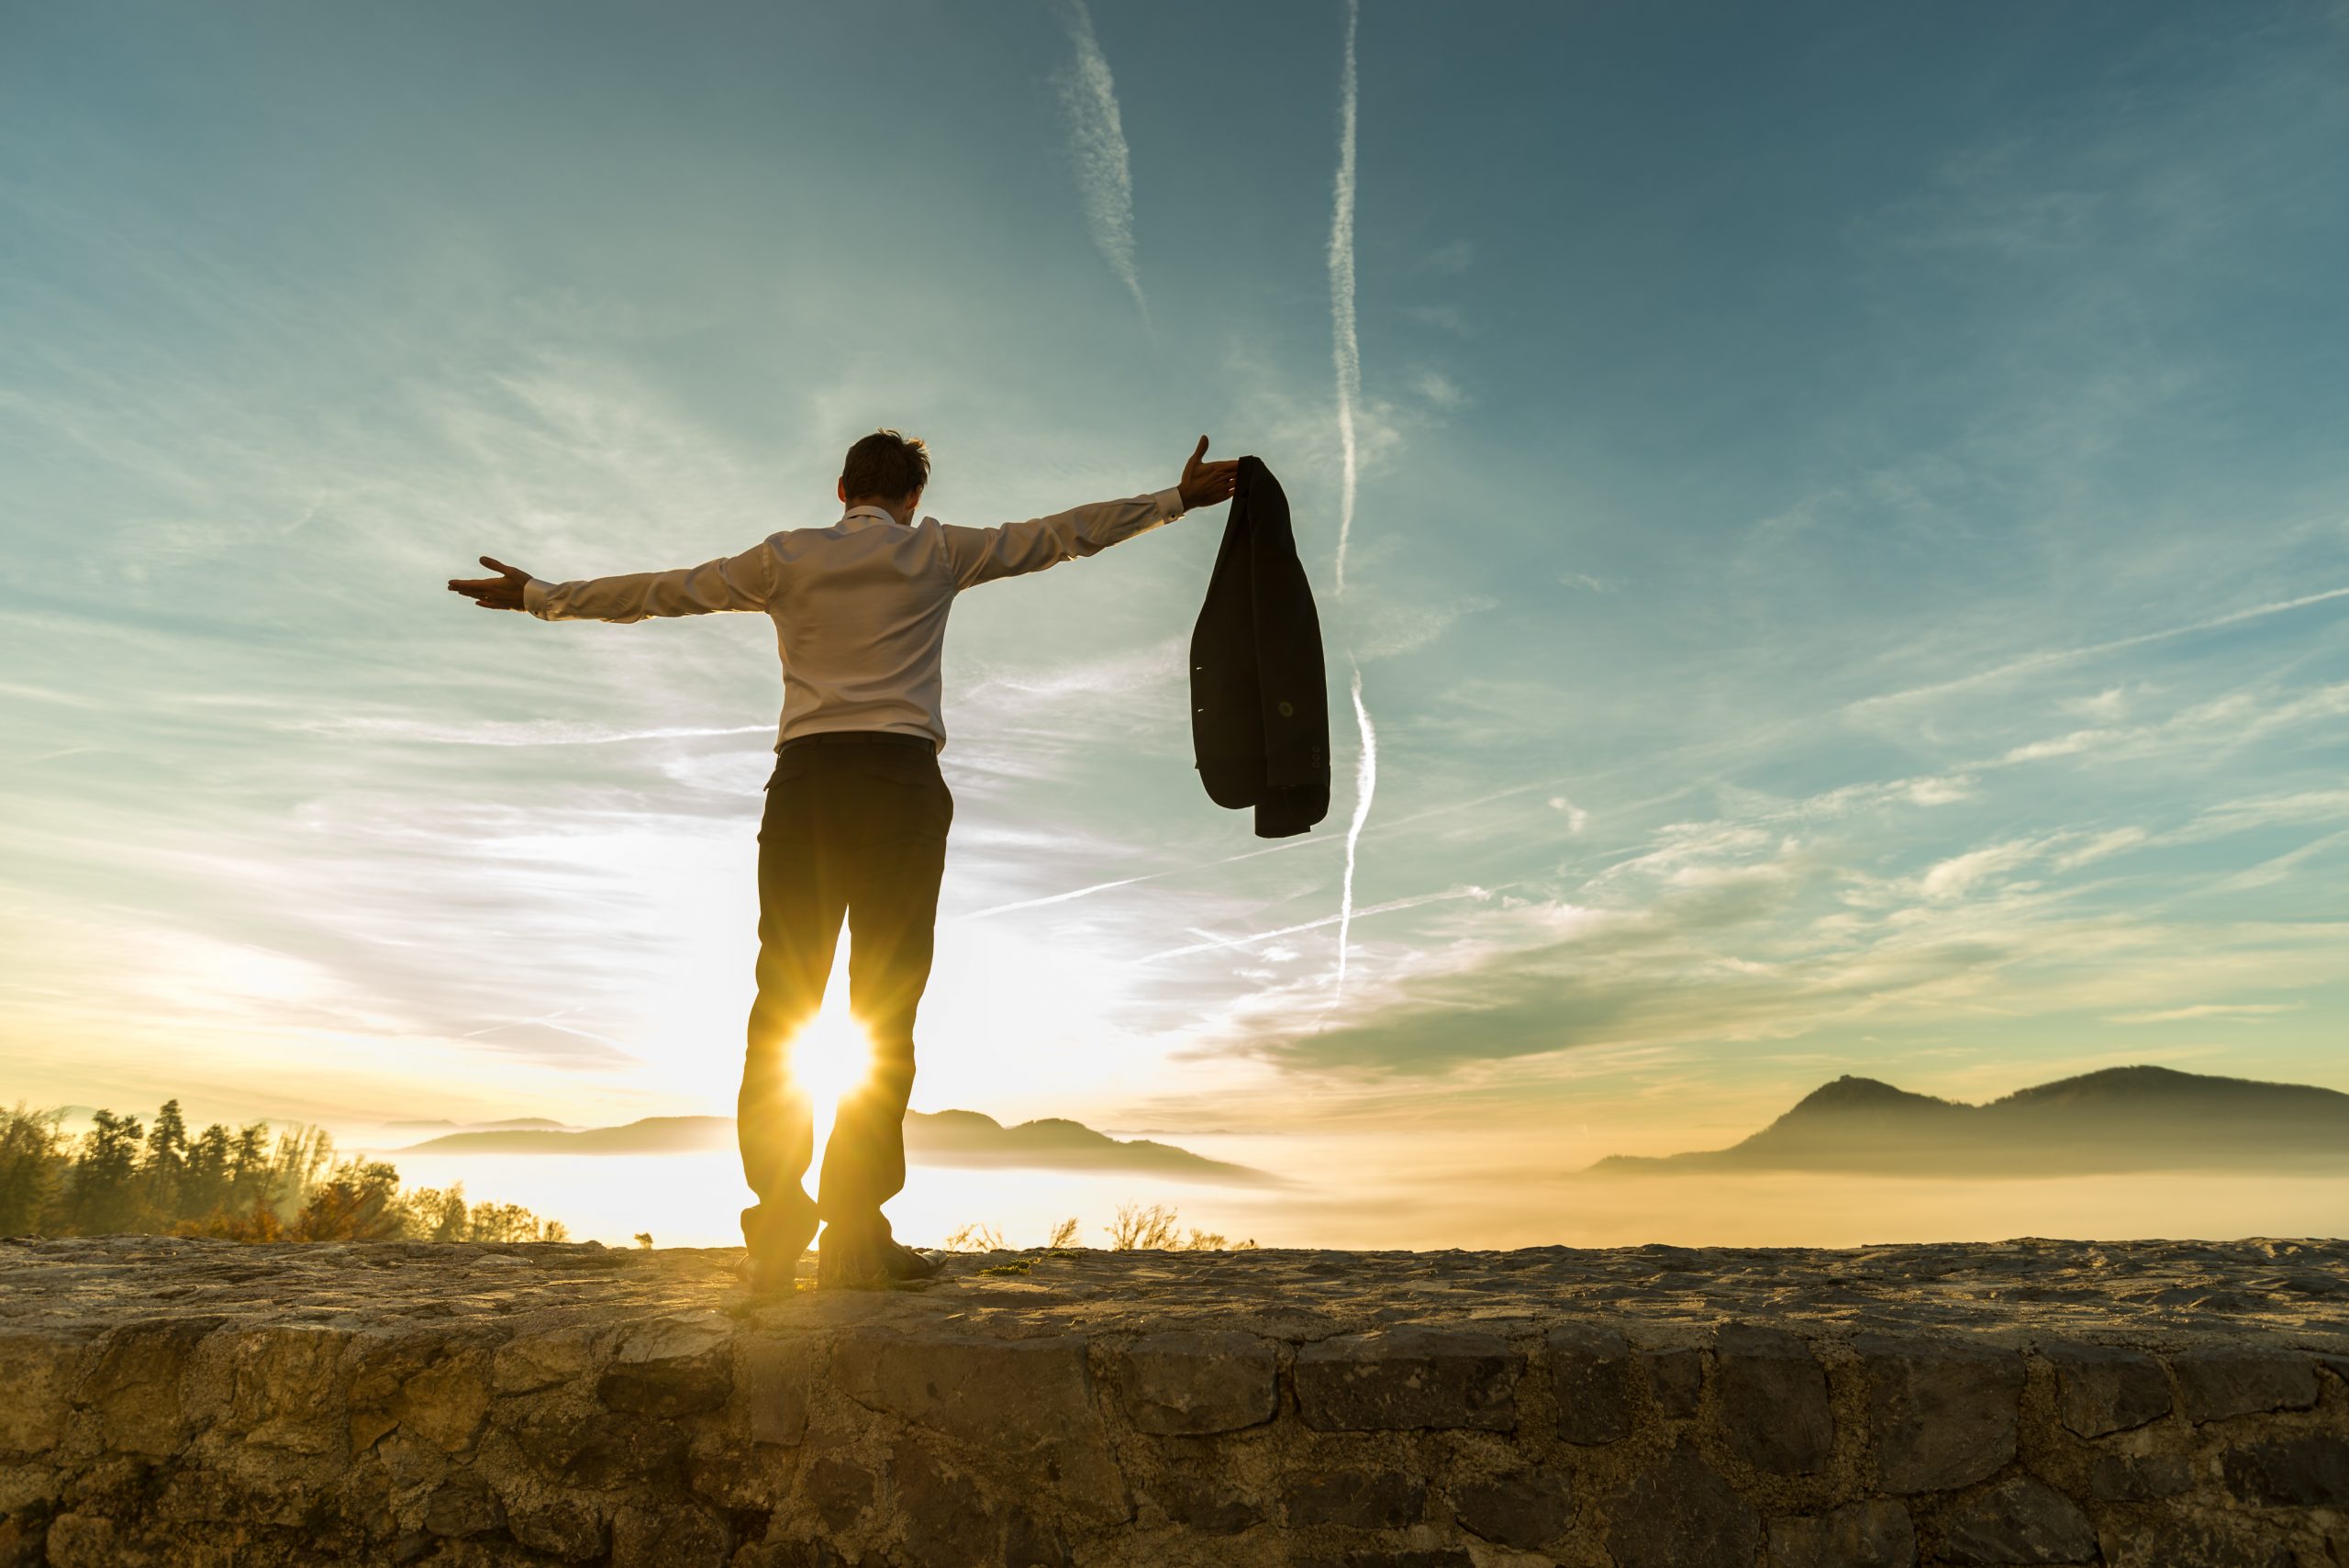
(1878, 1533)
(1595, 1379)
(174, 1402)
(1524, 1508)
(1407, 1378)
(1942, 1412)
(1680, 1513)
(1774, 1407)
(2019, 1520)
(2220, 1381)
(2103, 1388)
(1197, 1382)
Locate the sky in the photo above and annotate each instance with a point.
(1845, 519)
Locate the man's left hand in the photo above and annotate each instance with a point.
(1206, 484)
(503, 591)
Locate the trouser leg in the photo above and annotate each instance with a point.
(801, 901)
(892, 917)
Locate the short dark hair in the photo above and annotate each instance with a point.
(886, 465)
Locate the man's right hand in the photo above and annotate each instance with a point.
(1206, 484)
(503, 591)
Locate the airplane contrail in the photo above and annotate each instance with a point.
(1345, 353)
(1098, 138)
(2066, 655)
(1346, 348)
(1365, 785)
(1388, 907)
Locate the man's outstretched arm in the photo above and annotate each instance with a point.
(982, 555)
(741, 582)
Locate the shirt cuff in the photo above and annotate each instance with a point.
(1169, 503)
(534, 596)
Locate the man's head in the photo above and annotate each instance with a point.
(888, 470)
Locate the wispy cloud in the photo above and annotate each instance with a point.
(2244, 1011)
(1097, 141)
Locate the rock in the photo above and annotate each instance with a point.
(2217, 1382)
(675, 1536)
(462, 1505)
(1679, 1514)
(285, 1387)
(1197, 1382)
(82, 1541)
(37, 1371)
(2020, 1520)
(1407, 1378)
(532, 1362)
(133, 1382)
(1943, 1413)
(772, 1378)
(1365, 1500)
(1873, 1534)
(1407, 1557)
(2134, 1542)
(671, 1367)
(2137, 1478)
(1772, 1400)
(593, 1449)
(1525, 1508)
(1595, 1382)
(971, 1387)
(2101, 1389)
(560, 1527)
(2307, 1470)
(1207, 1504)
(1676, 1378)
(1031, 1542)
(945, 1516)
(444, 1404)
(840, 1491)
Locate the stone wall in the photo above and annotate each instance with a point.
(174, 1402)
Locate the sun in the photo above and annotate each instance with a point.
(830, 1058)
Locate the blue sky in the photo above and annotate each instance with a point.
(1851, 567)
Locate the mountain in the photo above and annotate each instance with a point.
(511, 1124)
(2123, 1118)
(932, 1138)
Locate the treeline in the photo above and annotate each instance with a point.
(247, 1183)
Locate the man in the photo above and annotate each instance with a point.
(856, 813)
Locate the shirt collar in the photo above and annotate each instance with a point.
(857, 516)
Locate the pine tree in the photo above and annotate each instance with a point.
(31, 1160)
(100, 1199)
(162, 1171)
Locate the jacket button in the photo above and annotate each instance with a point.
(1287, 712)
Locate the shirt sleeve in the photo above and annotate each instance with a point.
(982, 555)
(745, 581)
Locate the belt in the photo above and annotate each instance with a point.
(859, 737)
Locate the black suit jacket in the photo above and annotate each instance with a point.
(1259, 706)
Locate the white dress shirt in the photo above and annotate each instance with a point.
(859, 607)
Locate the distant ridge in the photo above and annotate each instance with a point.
(932, 1138)
(2121, 1119)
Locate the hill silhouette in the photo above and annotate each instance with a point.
(2119, 1120)
(932, 1138)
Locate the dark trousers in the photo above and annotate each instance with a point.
(854, 829)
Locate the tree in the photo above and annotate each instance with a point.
(31, 1160)
(436, 1214)
(206, 1185)
(100, 1199)
(162, 1171)
(360, 1203)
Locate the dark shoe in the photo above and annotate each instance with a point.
(903, 1263)
(777, 1236)
(854, 1258)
